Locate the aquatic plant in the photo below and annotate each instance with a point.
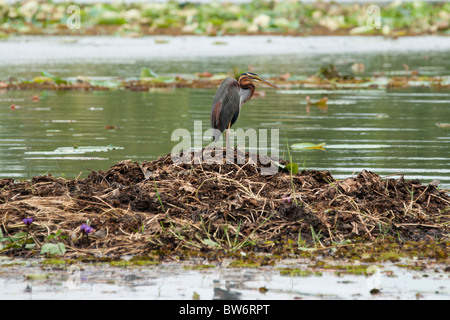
(256, 17)
(52, 248)
(18, 240)
(149, 81)
(27, 222)
(86, 229)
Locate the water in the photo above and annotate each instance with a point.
(66, 133)
(26, 57)
(173, 281)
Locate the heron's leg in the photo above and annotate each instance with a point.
(227, 135)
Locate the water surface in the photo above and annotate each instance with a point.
(25, 57)
(385, 131)
(176, 282)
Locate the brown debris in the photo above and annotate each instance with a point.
(136, 208)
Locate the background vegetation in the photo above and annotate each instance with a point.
(256, 17)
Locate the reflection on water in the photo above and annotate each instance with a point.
(385, 131)
(172, 281)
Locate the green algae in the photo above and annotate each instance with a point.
(244, 264)
(295, 272)
(199, 267)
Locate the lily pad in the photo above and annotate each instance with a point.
(42, 79)
(308, 145)
(164, 80)
(148, 73)
(37, 276)
(55, 79)
(53, 248)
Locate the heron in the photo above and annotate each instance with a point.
(228, 101)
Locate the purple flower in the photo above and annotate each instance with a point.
(287, 199)
(86, 229)
(27, 221)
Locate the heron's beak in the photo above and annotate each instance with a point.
(261, 80)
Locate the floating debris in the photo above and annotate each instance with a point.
(308, 145)
(148, 80)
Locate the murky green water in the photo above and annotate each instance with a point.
(66, 133)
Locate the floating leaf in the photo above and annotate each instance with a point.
(104, 83)
(37, 276)
(443, 125)
(148, 73)
(218, 77)
(164, 80)
(55, 79)
(53, 249)
(42, 79)
(308, 145)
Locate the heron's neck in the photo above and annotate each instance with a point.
(246, 89)
(246, 94)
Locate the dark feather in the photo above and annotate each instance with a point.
(225, 107)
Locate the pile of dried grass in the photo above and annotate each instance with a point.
(136, 208)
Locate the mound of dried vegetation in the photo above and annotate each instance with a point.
(138, 208)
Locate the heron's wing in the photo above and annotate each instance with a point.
(225, 104)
